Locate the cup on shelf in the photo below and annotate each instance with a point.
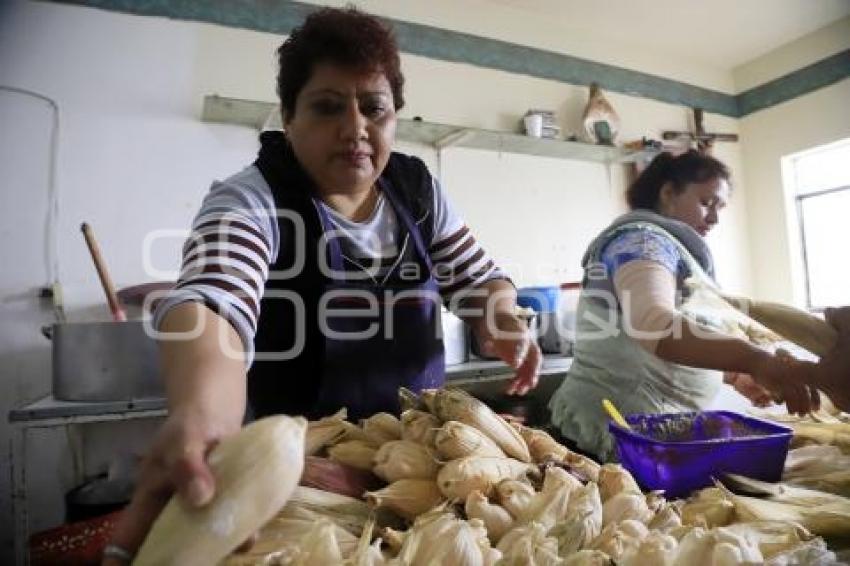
(533, 125)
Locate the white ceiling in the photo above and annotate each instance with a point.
(725, 33)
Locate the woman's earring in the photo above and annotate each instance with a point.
(274, 121)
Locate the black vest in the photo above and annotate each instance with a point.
(291, 386)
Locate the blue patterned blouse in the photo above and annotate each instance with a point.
(641, 243)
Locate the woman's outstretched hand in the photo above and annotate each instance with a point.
(176, 462)
(745, 385)
(513, 343)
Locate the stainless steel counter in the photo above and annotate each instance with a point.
(48, 408)
(484, 369)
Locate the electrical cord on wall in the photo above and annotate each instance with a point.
(51, 255)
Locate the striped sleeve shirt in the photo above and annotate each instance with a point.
(235, 238)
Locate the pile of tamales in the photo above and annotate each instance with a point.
(459, 485)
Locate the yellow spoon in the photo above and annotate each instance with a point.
(615, 414)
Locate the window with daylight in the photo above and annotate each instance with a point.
(821, 178)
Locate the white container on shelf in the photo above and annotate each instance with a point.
(533, 125)
(567, 314)
(454, 338)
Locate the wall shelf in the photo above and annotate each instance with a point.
(440, 136)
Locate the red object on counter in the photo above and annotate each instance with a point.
(73, 544)
(81, 543)
(327, 475)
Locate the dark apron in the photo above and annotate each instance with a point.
(329, 373)
(404, 348)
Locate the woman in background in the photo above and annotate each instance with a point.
(633, 344)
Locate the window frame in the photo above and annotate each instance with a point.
(798, 201)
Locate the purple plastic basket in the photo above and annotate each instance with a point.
(680, 452)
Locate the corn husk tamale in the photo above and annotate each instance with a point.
(613, 479)
(617, 539)
(458, 440)
(404, 459)
(666, 518)
(419, 426)
(459, 478)
(544, 448)
(716, 546)
(657, 548)
(381, 428)
(528, 545)
(270, 452)
(281, 537)
(496, 518)
(708, 508)
(319, 548)
(325, 432)
(408, 497)
(550, 505)
(514, 495)
(355, 453)
(366, 553)
(457, 405)
(772, 537)
(626, 505)
(822, 513)
(440, 537)
(834, 434)
(583, 522)
(588, 558)
(800, 327)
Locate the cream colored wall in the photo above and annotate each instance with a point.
(769, 135)
(815, 46)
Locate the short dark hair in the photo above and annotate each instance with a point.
(346, 37)
(689, 167)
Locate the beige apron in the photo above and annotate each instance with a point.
(609, 364)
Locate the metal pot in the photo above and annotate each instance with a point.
(104, 361)
(97, 497)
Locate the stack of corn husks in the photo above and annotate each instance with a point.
(465, 487)
(820, 449)
(475, 489)
(819, 466)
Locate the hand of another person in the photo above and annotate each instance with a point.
(789, 379)
(512, 342)
(839, 318)
(176, 461)
(833, 372)
(744, 384)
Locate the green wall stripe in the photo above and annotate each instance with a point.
(802, 81)
(273, 16)
(482, 52)
(278, 16)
